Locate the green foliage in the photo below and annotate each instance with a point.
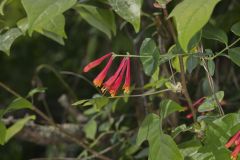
(16, 127)
(210, 102)
(102, 19)
(130, 10)
(109, 124)
(192, 63)
(3, 131)
(161, 146)
(42, 13)
(167, 107)
(234, 55)
(186, 14)
(8, 38)
(214, 33)
(90, 129)
(149, 48)
(236, 29)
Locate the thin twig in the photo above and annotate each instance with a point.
(51, 122)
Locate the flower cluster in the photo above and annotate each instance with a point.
(234, 140)
(114, 82)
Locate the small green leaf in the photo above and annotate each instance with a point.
(90, 129)
(42, 13)
(102, 19)
(19, 103)
(190, 18)
(16, 127)
(236, 29)
(36, 90)
(210, 102)
(211, 67)
(130, 10)
(7, 38)
(99, 102)
(3, 131)
(214, 33)
(192, 63)
(180, 129)
(167, 107)
(234, 54)
(149, 48)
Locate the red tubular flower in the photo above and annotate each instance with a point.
(112, 79)
(114, 88)
(195, 105)
(101, 76)
(234, 154)
(96, 62)
(236, 137)
(127, 82)
(234, 140)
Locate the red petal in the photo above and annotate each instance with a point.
(232, 140)
(101, 76)
(96, 62)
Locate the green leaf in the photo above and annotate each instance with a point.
(195, 40)
(3, 131)
(191, 17)
(168, 106)
(149, 48)
(53, 30)
(2, 5)
(36, 90)
(102, 19)
(211, 67)
(7, 38)
(236, 29)
(214, 33)
(90, 129)
(130, 10)
(42, 12)
(19, 103)
(98, 102)
(234, 54)
(176, 63)
(210, 102)
(192, 63)
(163, 147)
(149, 126)
(16, 127)
(179, 129)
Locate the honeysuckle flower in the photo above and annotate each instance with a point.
(112, 79)
(101, 76)
(114, 88)
(96, 62)
(114, 82)
(127, 82)
(234, 141)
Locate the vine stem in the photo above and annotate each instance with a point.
(181, 63)
(51, 122)
(141, 95)
(226, 48)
